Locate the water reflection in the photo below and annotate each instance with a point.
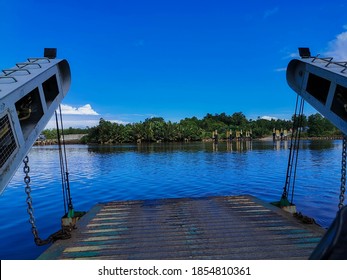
(167, 170)
(227, 146)
(107, 149)
(320, 145)
(280, 145)
(239, 146)
(192, 147)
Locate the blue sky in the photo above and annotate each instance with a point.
(133, 59)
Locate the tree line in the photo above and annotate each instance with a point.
(156, 129)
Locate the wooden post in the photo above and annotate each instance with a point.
(215, 136)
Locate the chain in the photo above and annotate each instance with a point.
(29, 201)
(61, 234)
(343, 172)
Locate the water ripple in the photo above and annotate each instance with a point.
(99, 174)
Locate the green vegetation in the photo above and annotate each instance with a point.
(194, 129)
(52, 133)
(318, 126)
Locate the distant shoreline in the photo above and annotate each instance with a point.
(267, 138)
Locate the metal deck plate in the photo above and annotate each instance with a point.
(228, 227)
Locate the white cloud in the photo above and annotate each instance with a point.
(281, 69)
(77, 117)
(119, 122)
(81, 117)
(80, 121)
(83, 110)
(268, 118)
(337, 48)
(293, 55)
(85, 116)
(75, 121)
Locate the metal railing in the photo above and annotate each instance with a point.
(8, 73)
(329, 60)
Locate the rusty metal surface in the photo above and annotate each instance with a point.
(230, 227)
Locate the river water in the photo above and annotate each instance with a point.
(128, 172)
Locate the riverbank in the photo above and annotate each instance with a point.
(68, 139)
(77, 139)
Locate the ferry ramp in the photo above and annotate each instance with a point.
(223, 227)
